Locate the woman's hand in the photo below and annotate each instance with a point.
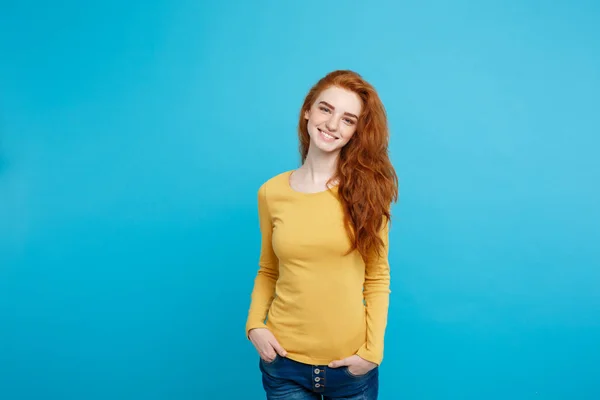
(266, 344)
(356, 365)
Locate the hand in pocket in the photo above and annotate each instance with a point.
(265, 343)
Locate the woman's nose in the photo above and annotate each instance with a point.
(332, 123)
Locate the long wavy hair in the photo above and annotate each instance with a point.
(367, 182)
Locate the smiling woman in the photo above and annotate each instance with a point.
(334, 126)
(319, 306)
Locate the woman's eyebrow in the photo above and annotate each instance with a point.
(333, 108)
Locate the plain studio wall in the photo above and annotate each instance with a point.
(134, 137)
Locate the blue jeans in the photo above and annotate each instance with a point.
(286, 379)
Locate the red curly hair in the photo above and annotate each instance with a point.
(367, 182)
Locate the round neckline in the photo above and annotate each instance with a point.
(289, 185)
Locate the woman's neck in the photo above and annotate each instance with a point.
(319, 166)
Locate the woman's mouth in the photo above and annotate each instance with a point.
(326, 136)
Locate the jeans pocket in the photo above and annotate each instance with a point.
(270, 362)
(351, 375)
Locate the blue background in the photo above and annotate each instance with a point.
(134, 136)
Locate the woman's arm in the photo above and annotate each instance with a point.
(376, 294)
(268, 272)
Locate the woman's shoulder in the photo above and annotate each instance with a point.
(278, 181)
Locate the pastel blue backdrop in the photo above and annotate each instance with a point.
(134, 136)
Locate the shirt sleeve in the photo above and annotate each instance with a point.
(376, 294)
(268, 271)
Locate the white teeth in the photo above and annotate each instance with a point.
(328, 136)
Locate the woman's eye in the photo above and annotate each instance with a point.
(325, 109)
(349, 121)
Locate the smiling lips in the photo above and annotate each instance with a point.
(328, 137)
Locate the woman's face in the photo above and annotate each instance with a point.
(332, 119)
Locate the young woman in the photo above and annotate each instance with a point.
(319, 306)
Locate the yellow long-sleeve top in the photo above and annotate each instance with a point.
(309, 292)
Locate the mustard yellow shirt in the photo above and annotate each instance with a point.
(309, 292)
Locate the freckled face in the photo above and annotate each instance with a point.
(332, 119)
